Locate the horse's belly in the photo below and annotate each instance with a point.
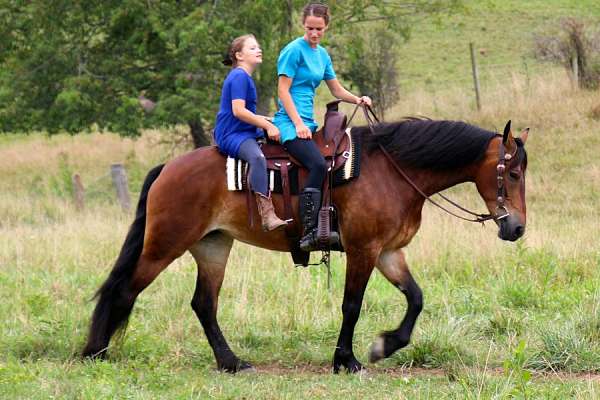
(275, 240)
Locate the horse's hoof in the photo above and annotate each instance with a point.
(237, 367)
(356, 368)
(352, 367)
(377, 351)
(246, 368)
(94, 355)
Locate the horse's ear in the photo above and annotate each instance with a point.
(524, 135)
(506, 132)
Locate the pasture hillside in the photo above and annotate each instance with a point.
(503, 32)
(501, 320)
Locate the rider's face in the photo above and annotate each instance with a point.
(251, 52)
(314, 28)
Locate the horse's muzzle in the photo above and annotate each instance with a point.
(511, 228)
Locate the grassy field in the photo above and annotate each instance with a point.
(501, 320)
(502, 32)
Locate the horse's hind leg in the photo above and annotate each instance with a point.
(393, 266)
(211, 255)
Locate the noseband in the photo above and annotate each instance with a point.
(501, 212)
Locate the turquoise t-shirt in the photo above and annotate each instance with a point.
(307, 67)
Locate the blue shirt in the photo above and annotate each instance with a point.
(307, 67)
(230, 131)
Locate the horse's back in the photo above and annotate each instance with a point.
(204, 161)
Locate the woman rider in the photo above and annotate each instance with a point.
(236, 126)
(301, 67)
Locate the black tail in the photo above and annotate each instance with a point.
(115, 299)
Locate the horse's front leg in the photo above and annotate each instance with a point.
(358, 270)
(392, 265)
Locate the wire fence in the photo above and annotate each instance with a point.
(489, 73)
(481, 77)
(98, 186)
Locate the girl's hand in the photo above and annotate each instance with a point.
(273, 133)
(365, 100)
(303, 132)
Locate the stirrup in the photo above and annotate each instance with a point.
(310, 241)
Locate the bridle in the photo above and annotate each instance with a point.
(500, 213)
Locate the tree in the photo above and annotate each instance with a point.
(370, 62)
(125, 65)
(72, 65)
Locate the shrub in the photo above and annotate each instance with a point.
(573, 40)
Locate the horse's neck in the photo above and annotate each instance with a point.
(427, 180)
(437, 181)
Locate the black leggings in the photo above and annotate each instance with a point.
(307, 152)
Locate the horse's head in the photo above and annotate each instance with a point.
(501, 183)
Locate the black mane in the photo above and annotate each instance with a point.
(424, 143)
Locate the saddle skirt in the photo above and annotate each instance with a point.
(345, 164)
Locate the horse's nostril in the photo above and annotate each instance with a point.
(519, 230)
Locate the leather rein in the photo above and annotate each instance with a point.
(503, 158)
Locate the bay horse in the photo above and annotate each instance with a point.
(185, 205)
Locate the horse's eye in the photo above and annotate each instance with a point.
(516, 175)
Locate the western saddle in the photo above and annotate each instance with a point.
(334, 144)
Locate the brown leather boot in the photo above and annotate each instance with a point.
(270, 221)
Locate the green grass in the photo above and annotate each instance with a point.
(140, 380)
(478, 309)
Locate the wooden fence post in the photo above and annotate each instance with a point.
(475, 76)
(119, 178)
(78, 192)
(575, 70)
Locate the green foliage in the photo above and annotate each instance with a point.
(72, 65)
(61, 182)
(129, 116)
(72, 110)
(504, 322)
(515, 367)
(569, 346)
(370, 62)
(69, 66)
(519, 295)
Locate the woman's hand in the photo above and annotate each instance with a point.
(364, 100)
(273, 133)
(303, 132)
